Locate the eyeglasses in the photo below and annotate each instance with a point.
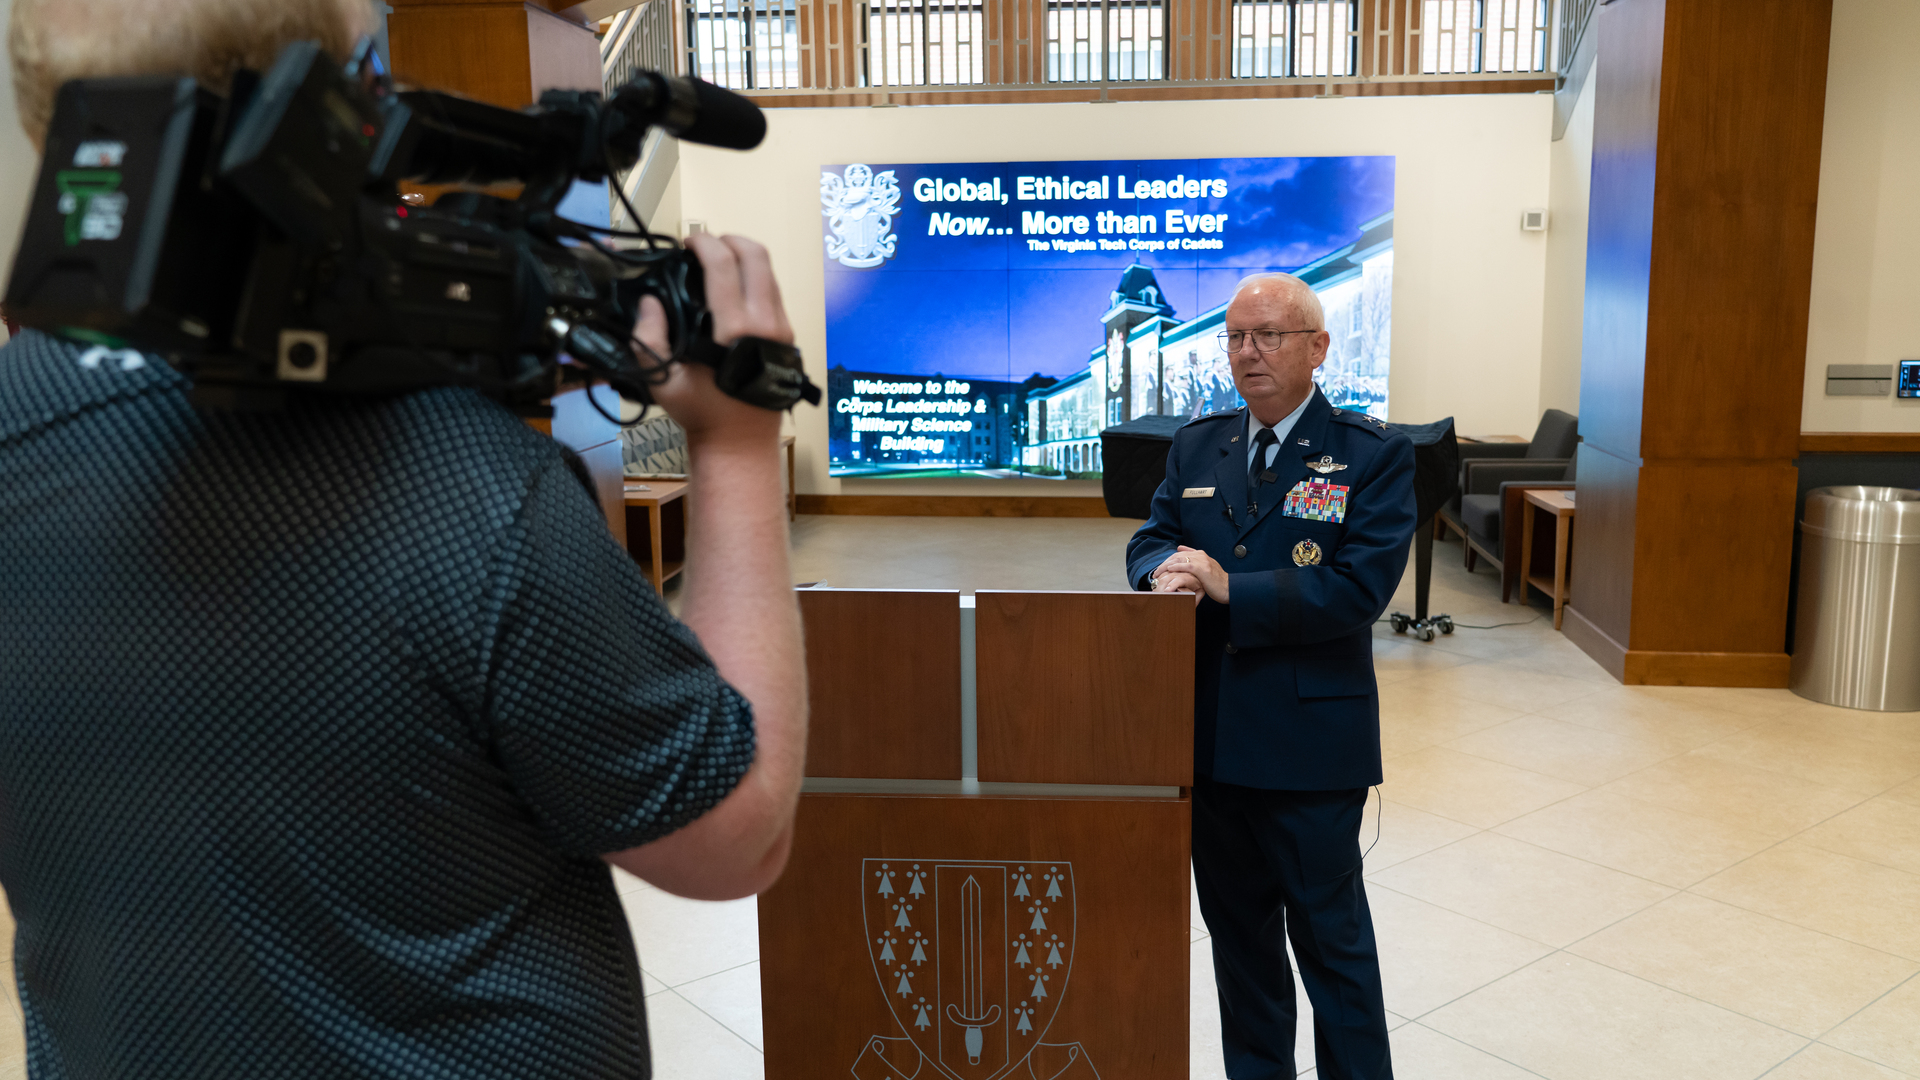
(1265, 340)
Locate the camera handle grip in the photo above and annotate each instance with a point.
(757, 371)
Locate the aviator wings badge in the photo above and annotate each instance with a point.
(1325, 465)
(973, 958)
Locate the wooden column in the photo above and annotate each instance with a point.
(1699, 264)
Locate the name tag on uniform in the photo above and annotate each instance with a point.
(1316, 500)
(1197, 493)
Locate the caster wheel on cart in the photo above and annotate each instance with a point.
(1444, 622)
(1399, 622)
(1425, 633)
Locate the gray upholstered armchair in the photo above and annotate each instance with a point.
(1490, 508)
(1550, 449)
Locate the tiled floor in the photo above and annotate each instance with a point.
(1573, 878)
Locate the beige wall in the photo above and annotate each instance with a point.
(1866, 249)
(1566, 284)
(1468, 283)
(18, 165)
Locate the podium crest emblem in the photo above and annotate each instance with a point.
(859, 206)
(973, 958)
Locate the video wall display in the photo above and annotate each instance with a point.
(992, 318)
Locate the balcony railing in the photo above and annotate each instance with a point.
(1576, 16)
(640, 39)
(810, 47)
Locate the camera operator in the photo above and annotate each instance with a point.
(318, 728)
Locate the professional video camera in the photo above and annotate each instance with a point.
(260, 243)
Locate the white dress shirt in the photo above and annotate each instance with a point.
(1280, 432)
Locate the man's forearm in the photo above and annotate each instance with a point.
(740, 602)
(740, 597)
(739, 591)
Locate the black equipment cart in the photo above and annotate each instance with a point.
(1436, 479)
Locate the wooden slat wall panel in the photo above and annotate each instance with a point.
(1142, 91)
(1085, 688)
(1199, 39)
(883, 683)
(1123, 998)
(830, 35)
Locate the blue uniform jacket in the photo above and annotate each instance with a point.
(1284, 694)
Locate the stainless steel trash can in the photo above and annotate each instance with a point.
(1857, 634)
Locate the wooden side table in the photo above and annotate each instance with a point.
(666, 551)
(1560, 505)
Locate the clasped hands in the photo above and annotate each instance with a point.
(1191, 570)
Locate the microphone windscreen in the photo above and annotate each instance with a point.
(724, 118)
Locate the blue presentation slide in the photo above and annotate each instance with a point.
(993, 318)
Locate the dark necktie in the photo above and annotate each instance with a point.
(1262, 439)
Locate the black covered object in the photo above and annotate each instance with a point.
(1134, 462)
(1436, 464)
(1436, 479)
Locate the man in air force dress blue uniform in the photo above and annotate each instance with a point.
(1289, 520)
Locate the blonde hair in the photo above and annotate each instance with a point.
(53, 41)
(1306, 302)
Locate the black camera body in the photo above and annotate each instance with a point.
(260, 243)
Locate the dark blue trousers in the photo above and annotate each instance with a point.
(1274, 865)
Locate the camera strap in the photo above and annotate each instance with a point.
(758, 371)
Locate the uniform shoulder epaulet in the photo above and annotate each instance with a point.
(1227, 414)
(1364, 422)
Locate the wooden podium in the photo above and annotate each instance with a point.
(989, 876)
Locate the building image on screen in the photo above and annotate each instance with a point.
(992, 319)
